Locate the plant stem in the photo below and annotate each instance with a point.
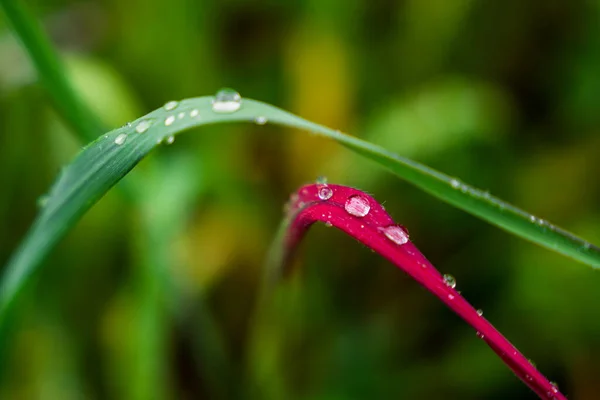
(51, 71)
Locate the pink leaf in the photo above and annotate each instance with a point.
(363, 218)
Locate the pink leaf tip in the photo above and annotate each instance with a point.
(362, 217)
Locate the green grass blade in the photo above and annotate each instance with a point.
(50, 71)
(103, 163)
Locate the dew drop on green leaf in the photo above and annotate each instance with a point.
(119, 140)
(171, 105)
(226, 101)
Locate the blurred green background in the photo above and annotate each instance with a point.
(157, 298)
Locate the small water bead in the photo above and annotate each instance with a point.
(480, 312)
(119, 140)
(169, 120)
(451, 297)
(322, 180)
(455, 183)
(143, 126)
(226, 101)
(171, 105)
(449, 281)
(395, 233)
(42, 201)
(181, 115)
(480, 335)
(325, 192)
(531, 362)
(170, 139)
(328, 224)
(194, 113)
(357, 205)
(260, 120)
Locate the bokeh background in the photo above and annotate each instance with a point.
(157, 297)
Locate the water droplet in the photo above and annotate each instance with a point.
(451, 297)
(395, 233)
(42, 201)
(119, 140)
(554, 387)
(169, 120)
(171, 105)
(322, 180)
(143, 126)
(531, 362)
(480, 335)
(194, 113)
(455, 183)
(181, 115)
(226, 101)
(325, 192)
(328, 224)
(357, 205)
(480, 312)
(260, 120)
(532, 218)
(449, 281)
(170, 139)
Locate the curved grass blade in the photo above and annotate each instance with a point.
(362, 217)
(105, 161)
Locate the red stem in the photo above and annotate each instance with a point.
(329, 204)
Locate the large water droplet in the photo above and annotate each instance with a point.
(480, 312)
(325, 192)
(226, 101)
(170, 139)
(171, 105)
(143, 126)
(119, 140)
(449, 281)
(169, 120)
(395, 233)
(357, 205)
(260, 120)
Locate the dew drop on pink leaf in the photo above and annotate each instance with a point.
(325, 192)
(395, 233)
(357, 206)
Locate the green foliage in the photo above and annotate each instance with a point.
(495, 109)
